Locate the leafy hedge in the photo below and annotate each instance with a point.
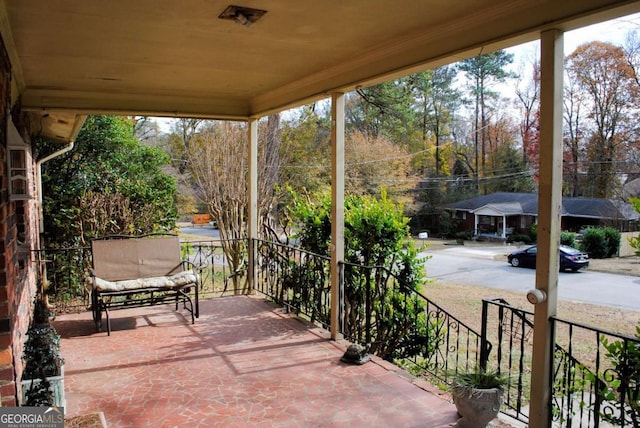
(568, 238)
(601, 242)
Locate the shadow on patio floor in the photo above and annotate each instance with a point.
(244, 363)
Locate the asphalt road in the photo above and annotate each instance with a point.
(476, 267)
(205, 231)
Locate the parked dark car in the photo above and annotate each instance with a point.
(570, 258)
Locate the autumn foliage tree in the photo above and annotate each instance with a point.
(606, 82)
(373, 164)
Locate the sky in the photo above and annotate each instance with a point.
(614, 31)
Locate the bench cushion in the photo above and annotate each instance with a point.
(169, 282)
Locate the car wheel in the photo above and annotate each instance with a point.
(515, 262)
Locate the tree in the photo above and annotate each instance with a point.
(383, 110)
(179, 143)
(374, 164)
(483, 71)
(109, 183)
(507, 171)
(145, 129)
(528, 101)
(436, 100)
(635, 241)
(306, 140)
(603, 74)
(573, 100)
(217, 164)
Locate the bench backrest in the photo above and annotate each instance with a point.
(131, 258)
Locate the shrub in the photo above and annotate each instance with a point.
(601, 242)
(533, 232)
(41, 356)
(466, 235)
(384, 269)
(620, 385)
(612, 240)
(519, 237)
(446, 224)
(568, 238)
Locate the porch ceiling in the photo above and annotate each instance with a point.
(176, 58)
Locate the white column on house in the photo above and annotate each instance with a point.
(549, 210)
(504, 226)
(252, 195)
(475, 224)
(337, 209)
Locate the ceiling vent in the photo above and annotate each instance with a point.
(242, 15)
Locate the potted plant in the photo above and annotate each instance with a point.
(478, 396)
(43, 375)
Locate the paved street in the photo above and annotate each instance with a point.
(476, 266)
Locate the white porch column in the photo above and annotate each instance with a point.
(549, 210)
(504, 226)
(475, 224)
(337, 209)
(252, 195)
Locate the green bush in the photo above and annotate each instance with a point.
(376, 234)
(568, 238)
(612, 238)
(600, 242)
(519, 237)
(466, 235)
(533, 232)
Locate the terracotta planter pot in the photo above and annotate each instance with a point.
(477, 407)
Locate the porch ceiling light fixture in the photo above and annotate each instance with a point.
(242, 15)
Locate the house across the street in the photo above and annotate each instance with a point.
(501, 214)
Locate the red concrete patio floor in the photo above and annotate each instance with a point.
(245, 363)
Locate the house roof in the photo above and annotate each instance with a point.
(506, 203)
(503, 208)
(177, 58)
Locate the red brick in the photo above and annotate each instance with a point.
(8, 401)
(6, 357)
(7, 373)
(8, 389)
(5, 340)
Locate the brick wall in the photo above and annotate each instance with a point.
(17, 270)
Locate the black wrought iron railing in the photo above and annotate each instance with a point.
(510, 329)
(67, 271)
(379, 311)
(219, 276)
(296, 279)
(596, 373)
(397, 322)
(596, 377)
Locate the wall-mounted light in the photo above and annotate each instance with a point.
(242, 15)
(20, 164)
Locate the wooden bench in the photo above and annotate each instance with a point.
(134, 271)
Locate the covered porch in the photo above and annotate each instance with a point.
(245, 362)
(73, 58)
